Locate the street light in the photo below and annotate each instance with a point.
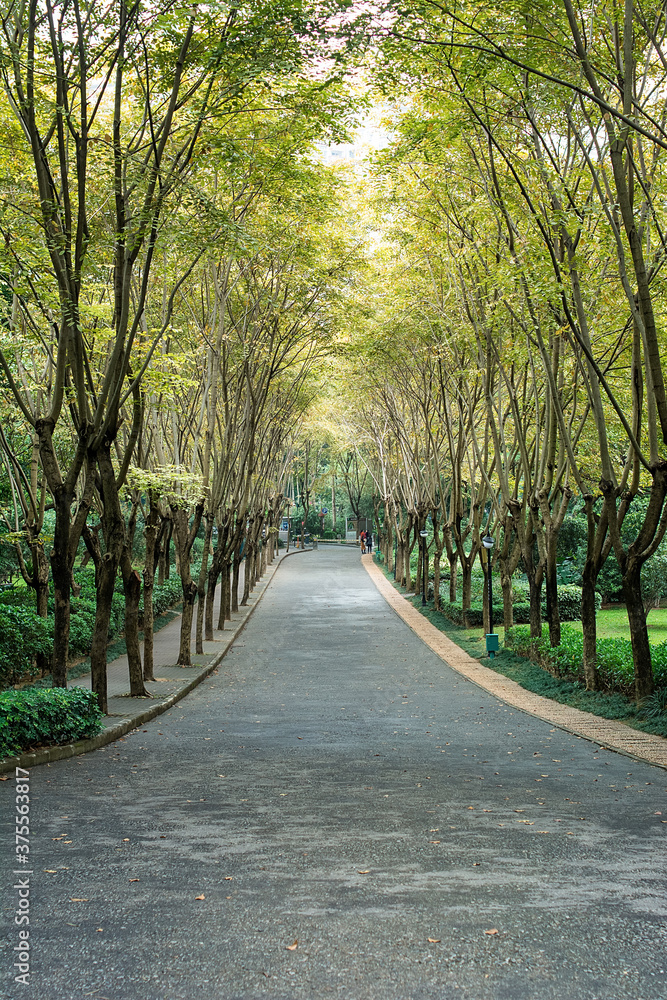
(422, 534)
(491, 637)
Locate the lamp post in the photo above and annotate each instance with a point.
(422, 534)
(491, 637)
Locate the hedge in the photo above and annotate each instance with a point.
(569, 607)
(23, 634)
(53, 715)
(165, 595)
(615, 665)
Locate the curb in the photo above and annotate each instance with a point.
(112, 733)
(607, 733)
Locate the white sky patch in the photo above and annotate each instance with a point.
(369, 136)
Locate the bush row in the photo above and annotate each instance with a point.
(37, 717)
(569, 606)
(24, 635)
(614, 656)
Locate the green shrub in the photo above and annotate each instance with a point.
(615, 665)
(164, 595)
(569, 601)
(52, 715)
(455, 614)
(569, 606)
(23, 634)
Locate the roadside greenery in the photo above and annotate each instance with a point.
(205, 330)
(557, 673)
(33, 718)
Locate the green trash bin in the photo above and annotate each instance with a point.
(492, 644)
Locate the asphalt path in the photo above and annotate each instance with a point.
(336, 813)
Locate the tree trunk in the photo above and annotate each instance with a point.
(132, 592)
(486, 618)
(589, 625)
(641, 649)
(235, 580)
(453, 577)
(508, 608)
(466, 584)
(535, 590)
(61, 574)
(150, 534)
(247, 574)
(105, 578)
(437, 556)
(225, 613)
(407, 552)
(184, 536)
(40, 584)
(227, 591)
(113, 528)
(165, 555)
(201, 584)
(189, 597)
(551, 582)
(212, 583)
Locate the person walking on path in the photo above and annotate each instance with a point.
(362, 542)
(369, 542)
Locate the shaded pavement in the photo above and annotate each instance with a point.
(311, 815)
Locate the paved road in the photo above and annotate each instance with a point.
(337, 786)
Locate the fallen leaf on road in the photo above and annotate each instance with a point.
(228, 878)
(133, 880)
(4, 777)
(292, 947)
(492, 931)
(476, 864)
(434, 841)
(433, 940)
(200, 897)
(126, 840)
(366, 871)
(77, 900)
(51, 871)
(98, 929)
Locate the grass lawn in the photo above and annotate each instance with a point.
(612, 624)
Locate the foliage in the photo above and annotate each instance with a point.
(23, 635)
(614, 657)
(54, 715)
(569, 606)
(165, 595)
